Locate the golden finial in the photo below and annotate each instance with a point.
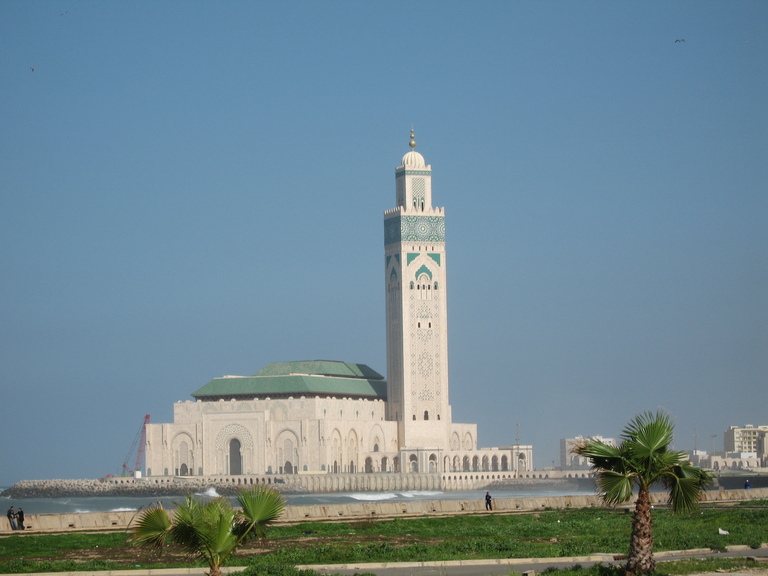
(412, 143)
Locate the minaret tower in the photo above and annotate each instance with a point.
(417, 330)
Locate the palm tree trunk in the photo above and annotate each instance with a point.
(641, 542)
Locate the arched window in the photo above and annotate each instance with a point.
(235, 458)
(426, 414)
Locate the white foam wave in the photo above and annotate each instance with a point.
(123, 509)
(419, 494)
(372, 496)
(209, 493)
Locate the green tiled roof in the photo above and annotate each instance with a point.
(306, 378)
(320, 368)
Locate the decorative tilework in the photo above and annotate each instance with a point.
(435, 257)
(414, 229)
(400, 173)
(423, 270)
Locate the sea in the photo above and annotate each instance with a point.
(72, 505)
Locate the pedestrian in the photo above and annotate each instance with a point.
(488, 501)
(746, 485)
(20, 519)
(12, 518)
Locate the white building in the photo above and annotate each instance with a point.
(337, 417)
(747, 438)
(571, 461)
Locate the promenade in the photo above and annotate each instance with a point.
(381, 509)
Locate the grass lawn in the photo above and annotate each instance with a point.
(552, 533)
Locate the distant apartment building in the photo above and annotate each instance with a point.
(747, 440)
(571, 461)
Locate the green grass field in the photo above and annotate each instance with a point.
(553, 533)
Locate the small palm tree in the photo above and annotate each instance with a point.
(210, 530)
(643, 458)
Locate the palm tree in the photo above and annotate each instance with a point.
(643, 458)
(210, 530)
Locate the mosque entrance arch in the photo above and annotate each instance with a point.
(235, 458)
(183, 470)
(288, 468)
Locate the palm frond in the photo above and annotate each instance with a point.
(259, 508)
(615, 487)
(653, 431)
(189, 525)
(602, 456)
(152, 529)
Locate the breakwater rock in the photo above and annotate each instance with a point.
(143, 487)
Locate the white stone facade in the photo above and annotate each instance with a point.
(311, 433)
(281, 436)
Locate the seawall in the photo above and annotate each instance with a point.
(361, 510)
(165, 486)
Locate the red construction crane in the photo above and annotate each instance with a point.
(141, 440)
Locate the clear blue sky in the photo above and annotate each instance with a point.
(193, 189)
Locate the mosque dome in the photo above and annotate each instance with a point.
(413, 160)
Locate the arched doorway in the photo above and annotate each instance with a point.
(184, 471)
(235, 458)
(288, 468)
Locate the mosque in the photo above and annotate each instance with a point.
(332, 417)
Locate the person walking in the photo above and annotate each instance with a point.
(488, 501)
(12, 518)
(20, 519)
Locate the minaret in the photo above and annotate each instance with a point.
(417, 330)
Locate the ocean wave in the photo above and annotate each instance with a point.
(209, 493)
(373, 496)
(123, 509)
(420, 494)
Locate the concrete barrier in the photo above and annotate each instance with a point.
(359, 510)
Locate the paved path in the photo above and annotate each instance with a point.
(463, 567)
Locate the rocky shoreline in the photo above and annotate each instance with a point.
(117, 486)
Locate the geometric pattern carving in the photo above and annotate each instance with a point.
(419, 191)
(234, 430)
(414, 229)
